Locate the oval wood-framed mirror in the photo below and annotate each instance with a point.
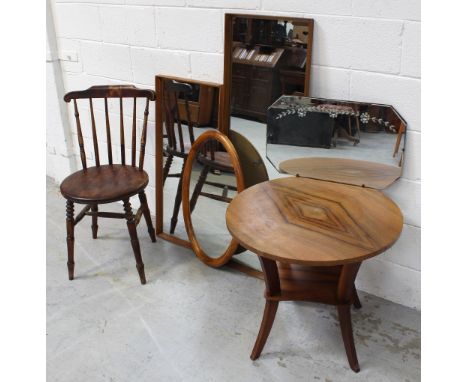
(212, 152)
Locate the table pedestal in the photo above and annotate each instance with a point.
(333, 285)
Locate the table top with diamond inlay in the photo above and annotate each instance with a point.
(311, 222)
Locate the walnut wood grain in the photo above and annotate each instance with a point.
(311, 222)
(311, 237)
(347, 171)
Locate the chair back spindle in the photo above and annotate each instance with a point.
(134, 132)
(143, 136)
(93, 126)
(80, 136)
(173, 92)
(169, 121)
(122, 133)
(108, 132)
(106, 92)
(189, 119)
(175, 95)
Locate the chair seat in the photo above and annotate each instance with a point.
(104, 184)
(221, 161)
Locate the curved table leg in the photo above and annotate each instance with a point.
(344, 315)
(272, 288)
(267, 322)
(346, 296)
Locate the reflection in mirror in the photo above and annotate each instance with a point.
(269, 58)
(217, 169)
(212, 177)
(212, 187)
(189, 108)
(343, 141)
(265, 57)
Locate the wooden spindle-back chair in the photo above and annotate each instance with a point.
(107, 183)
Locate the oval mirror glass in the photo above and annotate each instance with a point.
(211, 179)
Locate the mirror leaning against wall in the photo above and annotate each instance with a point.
(267, 81)
(266, 101)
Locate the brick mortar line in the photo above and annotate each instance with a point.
(229, 10)
(222, 53)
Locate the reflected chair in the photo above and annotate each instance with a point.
(179, 140)
(250, 170)
(216, 161)
(251, 162)
(176, 146)
(107, 183)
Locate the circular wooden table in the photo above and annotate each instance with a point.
(311, 237)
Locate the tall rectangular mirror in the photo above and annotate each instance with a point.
(265, 57)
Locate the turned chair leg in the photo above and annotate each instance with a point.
(167, 167)
(147, 215)
(344, 315)
(70, 239)
(198, 187)
(177, 202)
(94, 225)
(356, 301)
(134, 240)
(267, 322)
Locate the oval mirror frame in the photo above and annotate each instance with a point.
(229, 147)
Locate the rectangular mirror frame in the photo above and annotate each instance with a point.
(159, 152)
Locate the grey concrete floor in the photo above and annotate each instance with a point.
(195, 323)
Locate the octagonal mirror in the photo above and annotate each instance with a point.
(340, 141)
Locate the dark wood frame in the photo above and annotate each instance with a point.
(228, 35)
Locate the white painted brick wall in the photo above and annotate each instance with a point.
(80, 21)
(137, 27)
(364, 50)
(147, 62)
(411, 52)
(207, 66)
(326, 7)
(190, 29)
(330, 82)
(107, 60)
(389, 9)
(361, 44)
(229, 4)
